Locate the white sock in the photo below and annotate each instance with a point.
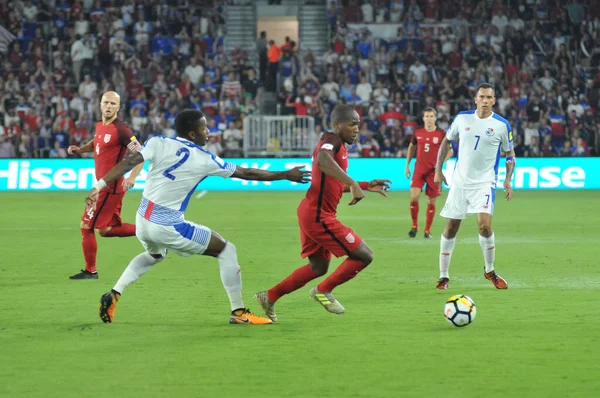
(231, 275)
(488, 247)
(136, 268)
(446, 249)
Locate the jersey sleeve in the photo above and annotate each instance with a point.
(452, 133)
(124, 133)
(413, 139)
(150, 148)
(507, 139)
(330, 143)
(218, 167)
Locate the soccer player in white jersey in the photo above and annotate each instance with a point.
(177, 166)
(481, 136)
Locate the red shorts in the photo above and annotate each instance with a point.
(421, 178)
(325, 237)
(107, 213)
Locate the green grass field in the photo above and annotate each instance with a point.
(171, 338)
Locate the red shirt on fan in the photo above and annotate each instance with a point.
(325, 192)
(428, 145)
(110, 147)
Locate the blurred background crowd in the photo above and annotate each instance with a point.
(58, 57)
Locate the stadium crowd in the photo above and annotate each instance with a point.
(542, 56)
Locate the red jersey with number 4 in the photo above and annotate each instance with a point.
(428, 145)
(110, 147)
(325, 192)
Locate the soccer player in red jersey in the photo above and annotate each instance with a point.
(110, 144)
(321, 233)
(426, 143)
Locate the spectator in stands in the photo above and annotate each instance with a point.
(7, 148)
(274, 54)
(232, 139)
(261, 49)
(194, 71)
(543, 61)
(213, 145)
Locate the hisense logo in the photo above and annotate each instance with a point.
(535, 177)
(51, 174)
(20, 175)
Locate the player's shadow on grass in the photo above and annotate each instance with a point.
(82, 327)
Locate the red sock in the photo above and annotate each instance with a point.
(90, 247)
(295, 281)
(414, 213)
(430, 215)
(346, 271)
(122, 231)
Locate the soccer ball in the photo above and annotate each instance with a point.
(460, 310)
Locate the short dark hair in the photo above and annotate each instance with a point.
(429, 109)
(486, 85)
(187, 120)
(342, 113)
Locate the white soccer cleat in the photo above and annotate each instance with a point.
(262, 298)
(327, 300)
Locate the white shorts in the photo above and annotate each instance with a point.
(185, 239)
(461, 202)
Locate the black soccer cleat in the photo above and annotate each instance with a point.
(413, 232)
(427, 235)
(85, 274)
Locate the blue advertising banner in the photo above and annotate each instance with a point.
(78, 174)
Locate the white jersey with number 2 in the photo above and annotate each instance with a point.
(177, 166)
(480, 142)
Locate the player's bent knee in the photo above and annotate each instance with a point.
(319, 265)
(363, 254)
(82, 225)
(230, 247)
(158, 257)
(319, 270)
(485, 230)
(217, 245)
(103, 232)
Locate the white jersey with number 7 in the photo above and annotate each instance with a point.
(480, 142)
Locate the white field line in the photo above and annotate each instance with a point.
(395, 240)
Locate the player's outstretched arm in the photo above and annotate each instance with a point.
(295, 175)
(409, 155)
(329, 167)
(129, 182)
(89, 147)
(510, 168)
(442, 154)
(113, 174)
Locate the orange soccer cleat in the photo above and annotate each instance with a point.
(442, 284)
(108, 303)
(496, 279)
(245, 316)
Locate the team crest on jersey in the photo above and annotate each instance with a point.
(350, 238)
(489, 131)
(106, 138)
(435, 140)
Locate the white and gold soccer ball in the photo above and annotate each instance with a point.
(460, 310)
